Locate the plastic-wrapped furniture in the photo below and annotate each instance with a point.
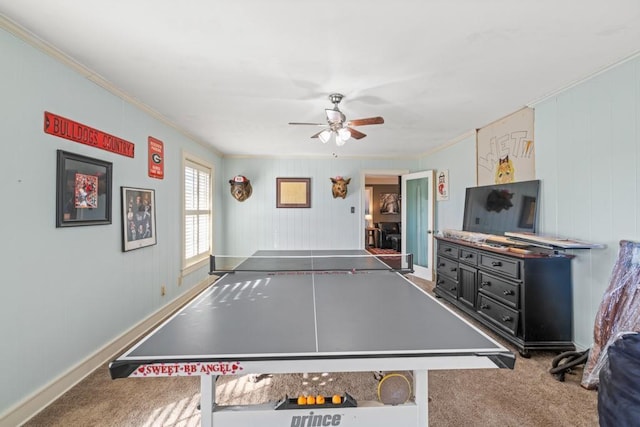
(619, 311)
(619, 388)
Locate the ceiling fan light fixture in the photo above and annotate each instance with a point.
(344, 134)
(324, 136)
(337, 124)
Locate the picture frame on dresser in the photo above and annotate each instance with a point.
(528, 213)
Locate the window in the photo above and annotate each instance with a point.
(197, 211)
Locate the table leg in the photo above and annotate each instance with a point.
(207, 399)
(421, 393)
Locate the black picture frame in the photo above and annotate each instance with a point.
(83, 190)
(528, 213)
(138, 218)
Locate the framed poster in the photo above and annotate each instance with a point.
(506, 150)
(293, 192)
(389, 204)
(83, 190)
(138, 218)
(442, 192)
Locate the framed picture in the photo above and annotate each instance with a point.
(138, 218)
(528, 214)
(293, 192)
(83, 190)
(442, 192)
(389, 204)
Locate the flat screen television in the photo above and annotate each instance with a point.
(496, 209)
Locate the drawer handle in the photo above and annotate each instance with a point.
(506, 318)
(508, 292)
(453, 289)
(440, 282)
(468, 256)
(485, 306)
(442, 264)
(483, 284)
(453, 269)
(496, 264)
(447, 250)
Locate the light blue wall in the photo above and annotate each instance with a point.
(588, 159)
(257, 224)
(460, 160)
(66, 292)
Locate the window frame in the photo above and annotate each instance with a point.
(199, 260)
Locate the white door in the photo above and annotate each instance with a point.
(418, 202)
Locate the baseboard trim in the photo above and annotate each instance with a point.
(32, 405)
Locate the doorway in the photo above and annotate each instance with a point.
(418, 202)
(376, 185)
(416, 215)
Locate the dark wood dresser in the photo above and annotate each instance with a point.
(524, 298)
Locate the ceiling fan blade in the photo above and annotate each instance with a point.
(317, 134)
(356, 134)
(310, 124)
(368, 121)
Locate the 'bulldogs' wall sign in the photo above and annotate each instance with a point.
(339, 187)
(240, 188)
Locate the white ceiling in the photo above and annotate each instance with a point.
(233, 73)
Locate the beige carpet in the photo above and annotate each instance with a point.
(525, 396)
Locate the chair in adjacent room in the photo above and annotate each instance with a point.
(389, 236)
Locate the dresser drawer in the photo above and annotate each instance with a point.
(448, 285)
(447, 267)
(507, 266)
(501, 315)
(502, 290)
(468, 256)
(447, 250)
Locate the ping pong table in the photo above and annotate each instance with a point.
(311, 311)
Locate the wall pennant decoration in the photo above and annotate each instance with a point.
(240, 188)
(155, 158)
(77, 132)
(339, 186)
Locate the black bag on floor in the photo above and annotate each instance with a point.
(619, 389)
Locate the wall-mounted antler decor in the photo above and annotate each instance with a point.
(240, 188)
(339, 187)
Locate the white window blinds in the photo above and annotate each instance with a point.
(197, 212)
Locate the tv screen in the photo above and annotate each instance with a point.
(496, 209)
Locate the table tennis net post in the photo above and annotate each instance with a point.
(223, 264)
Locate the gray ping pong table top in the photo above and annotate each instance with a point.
(267, 316)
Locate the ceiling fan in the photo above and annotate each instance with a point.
(337, 124)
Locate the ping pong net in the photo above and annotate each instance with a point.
(223, 264)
